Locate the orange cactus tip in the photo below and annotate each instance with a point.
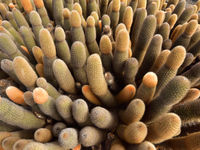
(126, 94)
(39, 3)
(11, 6)
(150, 79)
(89, 95)
(25, 49)
(27, 5)
(40, 96)
(78, 147)
(100, 25)
(15, 94)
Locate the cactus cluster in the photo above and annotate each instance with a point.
(99, 75)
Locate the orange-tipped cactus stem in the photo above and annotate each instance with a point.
(90, 95)
(147, 88)
(126, 94)
(40, 95)
(15, 94)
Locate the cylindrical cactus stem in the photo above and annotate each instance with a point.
(62, 47)
(130, 70)
(152, 8)
(142, 4)
(126, 94)
(90, 136)
(68, 4)
(7, 67)
(105, 20)
(164, 30)
(114, 16)
(34, 146)
(172, 20)
(58, 12)
(103, 118)
(15, 95)
(76, 31)
(8, 46)
(188, 111)
(97, 81)
(139, 16)
(36, 22)
(4, 127)
(179, 8)
(133, 133)
(49, 51)
(121, 52)
(190, 141)
(172, 93)
(147, 88)
(193, 94)
(47, 43)
(16, 115)
(68, 138)
(133, 112)
(78, 8)
(8, 142)
(24, 72)
(193, 74)
(64, 108)
(3, 10)
(80, 111)
(66, 15)
(194, 39)
(185, 16)
(188, 61)
(90, 34)
(160, 16)
(28, 38)
(106, 52)
(46, 103)
(184, 38)
(152, 53)
(104, 7)
(63, 76)
(78, 61)
(13, 31)
(19, 18)
(146, 145)
(29, 100)
(84, 6)
(11, 19)
(160, 60)
(170, 68)
(144, 39)
(51, 90)
(57, 128)
(27, 5)
(42, 135)
(20, 144)
(38, 54)
(42, 12)
(128, 18)
(168, 125)
(92, 6)
(86, 91)
(119, 27)
(195, 49)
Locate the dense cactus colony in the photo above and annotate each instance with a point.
(99, 74)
